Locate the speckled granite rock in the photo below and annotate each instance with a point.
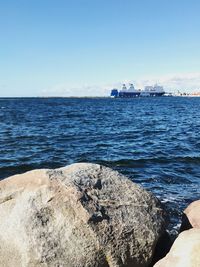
(83, 215)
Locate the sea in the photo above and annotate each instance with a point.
(154, 141)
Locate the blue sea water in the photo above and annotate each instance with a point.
(154, 141)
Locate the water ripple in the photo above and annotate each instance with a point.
(153, 141)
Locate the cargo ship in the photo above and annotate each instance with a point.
(148, 91)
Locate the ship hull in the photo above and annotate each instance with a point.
(133, 95)
(128, 94)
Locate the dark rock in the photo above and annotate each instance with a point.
(162, 247)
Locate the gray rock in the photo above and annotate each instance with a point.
(83, 215)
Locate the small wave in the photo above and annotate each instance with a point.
(152, 160)
(18, 169)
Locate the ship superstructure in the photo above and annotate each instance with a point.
(148, 91)
(130, 92)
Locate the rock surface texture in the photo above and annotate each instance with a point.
(83, 215)
(185, 251)
(191, 216)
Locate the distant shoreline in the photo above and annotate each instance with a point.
(87, 97)
(47, 97)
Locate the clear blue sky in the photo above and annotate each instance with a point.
(47, 43)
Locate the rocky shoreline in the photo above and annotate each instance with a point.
(87, 215)
(185, 251)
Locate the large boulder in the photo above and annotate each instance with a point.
(83, 215)
(191, 216)
(185, 251)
